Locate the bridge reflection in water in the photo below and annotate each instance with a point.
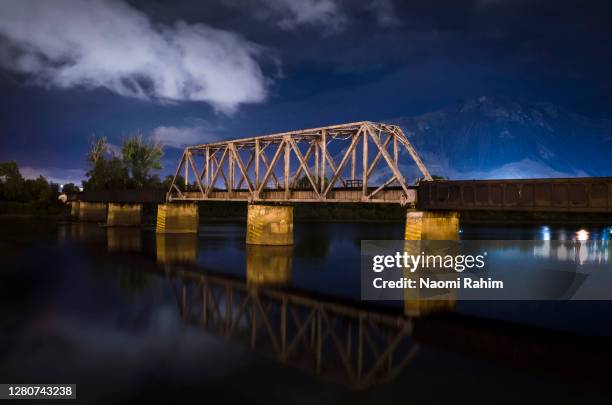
(124, 239)
(343, 342)
(176, 248)
(268, 265)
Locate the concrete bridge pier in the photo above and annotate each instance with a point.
(432, 225)
(92, 211)
(124, 214)
(429, 225)
(177, 218)
(269, 224)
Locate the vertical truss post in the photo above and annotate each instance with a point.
(231, 170)
(323, 158)
(212, 168)
(287, 165)
(395, 149)
(207, 169)
(353, 161)
(364, 185)
(316, 164)
(186, 157)
(257, 153)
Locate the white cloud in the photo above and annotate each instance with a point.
(109, 44)
(386, 15)
(330, 16)
(179, 137)
(292, 13)
(54, 174)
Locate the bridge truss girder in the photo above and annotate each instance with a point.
(246, 169)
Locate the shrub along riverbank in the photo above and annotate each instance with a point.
(33, 209)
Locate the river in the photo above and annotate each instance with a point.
(116, 312)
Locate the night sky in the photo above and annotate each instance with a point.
(186, 72)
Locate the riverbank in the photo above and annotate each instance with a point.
(33, 209)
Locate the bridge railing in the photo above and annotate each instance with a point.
(589, 194)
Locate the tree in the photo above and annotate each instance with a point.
(13, 187)
(39, 189)
(70, 188)
(180, 182)
(12, 181)
(304, 183)
(106, 174)
(141, 158)
(107, 171)
(98, 148)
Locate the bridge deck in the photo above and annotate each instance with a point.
(587, 195)
(339, 195)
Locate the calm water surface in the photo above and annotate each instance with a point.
(119, 312)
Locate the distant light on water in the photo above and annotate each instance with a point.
(582, 235)
(545, 233)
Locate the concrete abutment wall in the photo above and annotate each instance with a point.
(432, 225)
(92, 211)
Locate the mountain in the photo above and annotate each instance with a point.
(499, 137)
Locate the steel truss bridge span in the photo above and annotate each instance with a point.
(299, 166)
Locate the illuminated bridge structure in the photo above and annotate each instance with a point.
(363, 162)
(298, 166)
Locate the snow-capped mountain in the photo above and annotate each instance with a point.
(498, 137)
